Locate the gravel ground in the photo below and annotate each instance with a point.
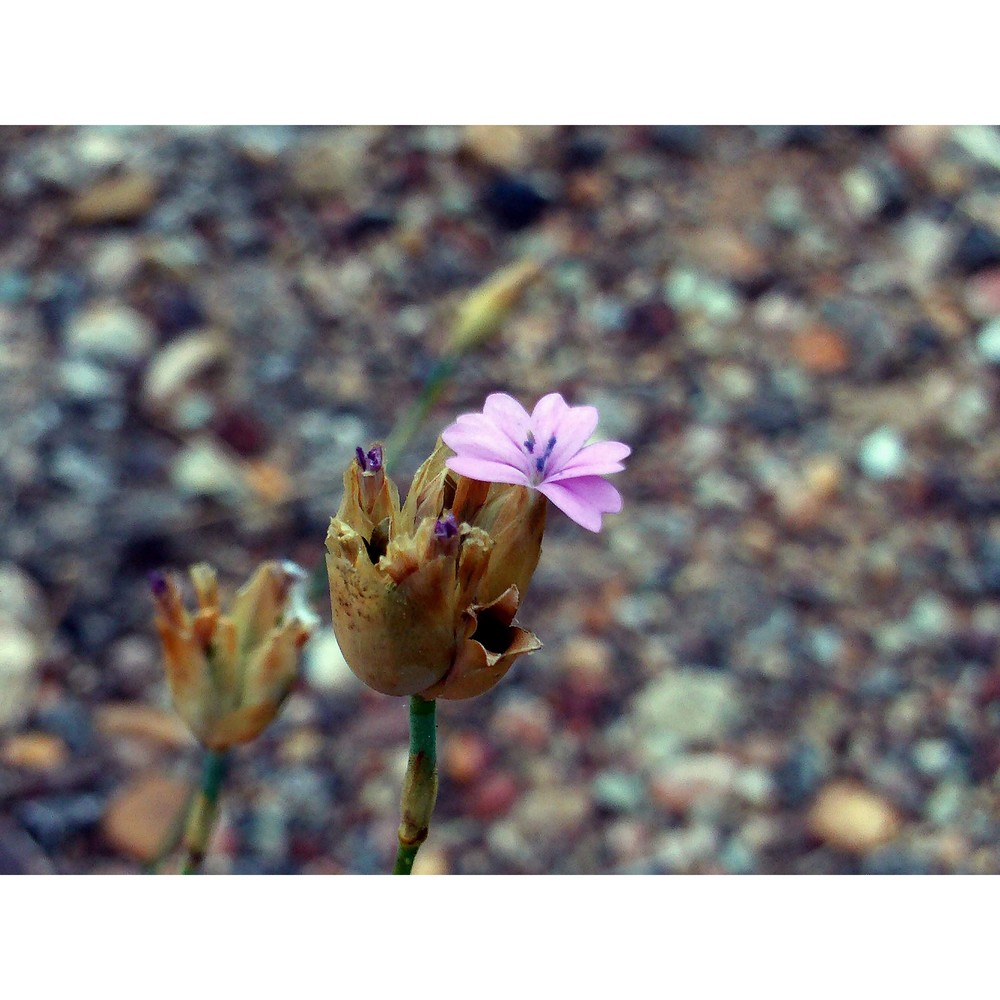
(781, 657)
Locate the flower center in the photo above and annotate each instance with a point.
(370, 461)
(538, 461)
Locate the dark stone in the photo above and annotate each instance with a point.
(583, 152)
(514, 203)
(895, 861)
(243, 432)
(371, 222)
(19, 854)
(650, 323)
(175, 309)
(923, 340)
(64, 296)
(69, 720)
(798, 777)
(774, 414)
(679, 140)
(988, 566)
(978, 249)
(52, 822)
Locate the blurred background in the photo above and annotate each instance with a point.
(781, 656)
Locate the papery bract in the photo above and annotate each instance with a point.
(229, 674)
(424, 595)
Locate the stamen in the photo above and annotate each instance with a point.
(362, 461)
(157, 583)
(375, 459)
(543, 458)
(446, 526)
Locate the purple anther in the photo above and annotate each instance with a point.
(362, 461)
(446, 527)
(375, 460)
(157, 583)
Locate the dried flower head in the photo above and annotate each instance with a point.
(230, 673)
(424, 595)
(545, 450)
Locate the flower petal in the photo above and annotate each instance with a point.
(468, 440)
(547, 415)
(584, 499)
(486, 471)
(575, 426)
(595, 460)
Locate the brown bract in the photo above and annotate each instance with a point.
(229, 674)
(423, 611)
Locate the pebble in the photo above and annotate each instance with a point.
(494, 796)
(851, 818)
(124, 198)
(514, 203)
(882, 454)
(552, 813)
(59, 819)
(110, 333)
(822, 350)
(988, 342)
(325, 667)
(204, 468)
(464, 757)
(34, 751)
(180, 366)
(686, 707)
(507, 147)
(618, 791)
(139, 818)
(977, 249)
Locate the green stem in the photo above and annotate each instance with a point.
(435, 383)
(204, 812)
(420, 785)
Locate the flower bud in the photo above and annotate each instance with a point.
(229, 674)
(483, 312)
(424, 600)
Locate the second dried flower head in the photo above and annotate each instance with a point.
(229, 674)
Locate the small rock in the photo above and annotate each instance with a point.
(20, 653)
(882, 454)
(85, 380)
(687, 707)
(822, 350)
(55, 821)
(507, 147)
(849, 817)
(431, 861)
(116, 199)
(618, 791)
(552, 813)
(679, 140)
(180, 366)
(139, 819)
(19, 854)
(514, 203)
(325, 667)
(988, 342)
(587, 665)
(493, 797)
(464, 757)
(203, 468)
(34, 751)
(978, 249)
(331, 165)
(110, 333)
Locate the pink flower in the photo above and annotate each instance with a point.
(545, 450)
